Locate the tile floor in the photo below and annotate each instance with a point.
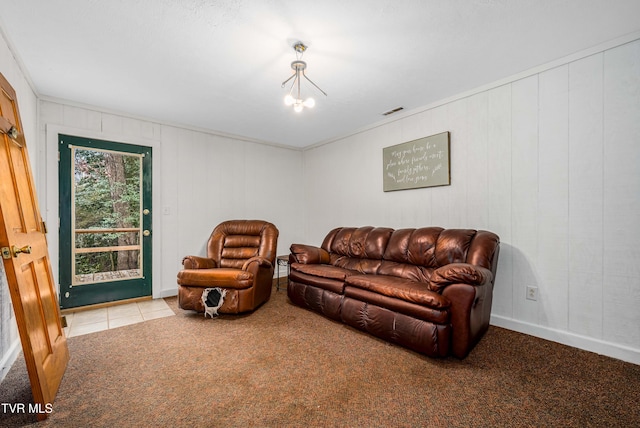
(91, 321)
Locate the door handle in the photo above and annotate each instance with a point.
(16, 250)
(146, 233)
(12, 132)
(8, 128)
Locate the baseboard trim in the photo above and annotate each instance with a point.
(609, 349)
(169, 293)
(9, 358)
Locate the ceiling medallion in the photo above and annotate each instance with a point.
(294, 98)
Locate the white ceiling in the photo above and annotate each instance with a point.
(218, 65)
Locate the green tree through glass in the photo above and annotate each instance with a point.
(107, 196)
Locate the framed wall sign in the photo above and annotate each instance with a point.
(418, 163)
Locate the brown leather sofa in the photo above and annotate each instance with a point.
(240, 259)
(426, 289)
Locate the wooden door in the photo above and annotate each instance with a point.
(26, 262)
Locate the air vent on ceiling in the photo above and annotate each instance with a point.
(397, 109)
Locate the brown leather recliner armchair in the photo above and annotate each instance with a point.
(240, 259)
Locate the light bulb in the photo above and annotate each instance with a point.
(309, 102)
(289, 100)
(298, 107)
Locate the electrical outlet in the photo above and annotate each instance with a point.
(532, 293)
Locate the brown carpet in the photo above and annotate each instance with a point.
(285, 366)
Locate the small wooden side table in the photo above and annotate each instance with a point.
(282, 261)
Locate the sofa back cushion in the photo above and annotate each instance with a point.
(409, 253)
(358, 249)
(484, 250)
(414, 246)
(453, 246)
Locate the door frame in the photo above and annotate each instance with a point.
(110, 291)
(49, 181)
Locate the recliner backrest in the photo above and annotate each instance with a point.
(233, 242)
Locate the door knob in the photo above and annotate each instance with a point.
(146, 233)
(12, 132)
(16, 250)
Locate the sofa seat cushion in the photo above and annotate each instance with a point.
(356, 265)
(325, 271)
(422, 312)
(406, 270)
(327, 277)
(399, 288)
(218, 277)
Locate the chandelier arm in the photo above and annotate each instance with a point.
(285, 82)
(305, 76)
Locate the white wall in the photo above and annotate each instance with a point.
(199, 180)
(27, 105)
(550, 161)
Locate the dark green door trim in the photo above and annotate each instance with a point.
(72, 296)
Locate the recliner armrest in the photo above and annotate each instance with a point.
(459, 273)
(262, 262)
(196, 262)
(308, 254)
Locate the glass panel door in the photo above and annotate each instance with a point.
(105, 221)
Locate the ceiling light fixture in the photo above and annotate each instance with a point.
(298, 67)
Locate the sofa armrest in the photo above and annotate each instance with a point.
(308, 254)
(195, 262)
(469, 288)
(470, 315)
(459, 273)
